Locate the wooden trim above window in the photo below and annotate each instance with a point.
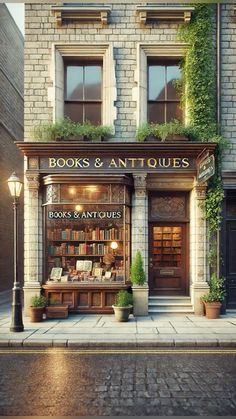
(164, 13)
(80, 14)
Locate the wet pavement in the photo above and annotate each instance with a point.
(153, 382)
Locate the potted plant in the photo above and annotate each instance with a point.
(213, 299)
(38, 303)
(139, 286)
(123, 305)
(55, 310)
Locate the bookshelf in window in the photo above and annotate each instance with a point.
(91, 245)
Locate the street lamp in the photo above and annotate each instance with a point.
(15, 186)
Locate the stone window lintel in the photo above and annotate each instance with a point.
(80, 14)
(166, 13)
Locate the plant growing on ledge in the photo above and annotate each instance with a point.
(65, 129)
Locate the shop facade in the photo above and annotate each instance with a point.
(92, 205)
(90, 211)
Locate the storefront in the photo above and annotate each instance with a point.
(89, 206)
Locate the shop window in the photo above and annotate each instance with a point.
(83, 91)
(87, 234)
(163, 99)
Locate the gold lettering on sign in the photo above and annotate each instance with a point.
(124, 162)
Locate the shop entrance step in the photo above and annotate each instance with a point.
(169, 304)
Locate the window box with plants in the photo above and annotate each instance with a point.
(123, 305)
(37, 308)
(213, 299)
(67, 130)
(139, 286)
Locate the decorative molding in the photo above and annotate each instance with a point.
(33, 163)
(168, 207)
(200, 191)
(140, 185)
(164, 13)
(82, 14)
(32, 181)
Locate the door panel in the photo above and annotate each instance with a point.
(168, 253)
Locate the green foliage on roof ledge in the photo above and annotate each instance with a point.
(174, 129)
(65, 129)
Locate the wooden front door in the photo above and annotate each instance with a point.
(168, 259)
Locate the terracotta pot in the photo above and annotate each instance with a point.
(122, 313)
(36, 314)
(213, 309)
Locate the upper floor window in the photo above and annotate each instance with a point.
(163, 102)
(83, 91)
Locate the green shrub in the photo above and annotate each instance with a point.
(137, 274)
(38, 301)
(217, 290)
(65, 129)
(123, 299)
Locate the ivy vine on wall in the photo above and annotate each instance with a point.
(199, 94)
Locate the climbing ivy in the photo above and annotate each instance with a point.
(199, 94)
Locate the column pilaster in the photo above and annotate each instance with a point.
(33, 239)
(200, 272)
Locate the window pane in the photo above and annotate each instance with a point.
(173, 74)
(173, 112)
(92, 81)
(74, 82)
(93, 113)
(156, 112)
(74, 111)
(156, 82)
(87, 193)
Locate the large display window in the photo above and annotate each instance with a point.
(87, 234)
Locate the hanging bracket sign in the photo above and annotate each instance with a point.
(206, 168)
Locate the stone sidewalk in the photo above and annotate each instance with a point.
(161, 330)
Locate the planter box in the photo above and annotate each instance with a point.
(140, 300)
(57, 311)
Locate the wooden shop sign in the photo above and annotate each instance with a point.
(206, 169)
(83, 163)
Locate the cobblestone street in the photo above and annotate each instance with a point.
(65, 382)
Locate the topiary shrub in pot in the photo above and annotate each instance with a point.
(139, 286)
(38, 304)
(123, 305)
(213, 299)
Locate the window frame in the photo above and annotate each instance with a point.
(154, 61)
(164, 50)
(83, 63)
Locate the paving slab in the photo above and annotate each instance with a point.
(163, 329)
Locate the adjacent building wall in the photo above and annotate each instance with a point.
(11, 129)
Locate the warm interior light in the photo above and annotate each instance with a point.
(114, 245)
(78, 207)
(92, 188)
(14, 185)
(72, 191)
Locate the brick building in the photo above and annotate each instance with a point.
(11, 129)
(115, 64)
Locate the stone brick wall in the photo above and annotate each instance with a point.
(228, 88)
(11, 129)
(124, 31)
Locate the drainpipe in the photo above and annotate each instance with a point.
(218, 100)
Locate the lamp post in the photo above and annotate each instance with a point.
(15, 186)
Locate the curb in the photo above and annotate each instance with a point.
(173, 344)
